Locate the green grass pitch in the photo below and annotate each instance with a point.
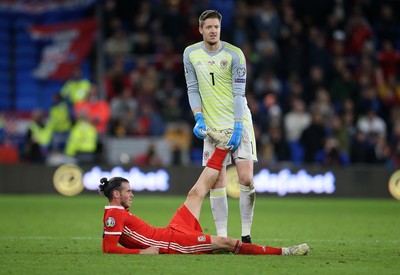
(51, 234)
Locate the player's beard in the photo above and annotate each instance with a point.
(126, 203)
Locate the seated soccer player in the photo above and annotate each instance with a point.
(183, 234)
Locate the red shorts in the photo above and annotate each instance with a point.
(187, 237)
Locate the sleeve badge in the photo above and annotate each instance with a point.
(110, 222)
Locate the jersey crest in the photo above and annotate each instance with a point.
(201, 238)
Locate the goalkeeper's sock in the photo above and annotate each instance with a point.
(219, 208)
(255, 249)
(247, 201)
(217, 159)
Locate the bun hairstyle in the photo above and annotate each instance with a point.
(107, 186)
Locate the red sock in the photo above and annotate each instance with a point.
(254, 249)
(217, 159)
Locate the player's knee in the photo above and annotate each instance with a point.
(196, 192)
(246, 179)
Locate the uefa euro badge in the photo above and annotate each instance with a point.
(110, 222)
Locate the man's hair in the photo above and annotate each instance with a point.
(107, 186)
(209, 14)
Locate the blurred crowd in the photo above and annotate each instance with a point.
(323, 80)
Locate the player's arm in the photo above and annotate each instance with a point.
(239, 73)
(194, 96)
(110, 245)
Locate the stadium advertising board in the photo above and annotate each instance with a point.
(362, 181)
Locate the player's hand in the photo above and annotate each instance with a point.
(234, 141)
(150, 250)
(200, 128)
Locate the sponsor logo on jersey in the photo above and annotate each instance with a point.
(240, 80)
(110, 222)
(223, 64)
(211, 62)
(241, 72)
(201, 238)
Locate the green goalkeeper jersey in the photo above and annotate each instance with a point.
(216, 83)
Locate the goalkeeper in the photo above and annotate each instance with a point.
(183, 235)
(215, 73)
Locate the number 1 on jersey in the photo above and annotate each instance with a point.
(212, 78)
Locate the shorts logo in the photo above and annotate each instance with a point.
(201, 238)
(110, 222)
(241, 72)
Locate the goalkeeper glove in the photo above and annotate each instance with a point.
(200, 128)
(234, 141)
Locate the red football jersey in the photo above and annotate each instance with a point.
(183, 235)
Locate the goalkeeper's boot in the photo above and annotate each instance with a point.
(297, 250)
(220, 138)
(246, 239)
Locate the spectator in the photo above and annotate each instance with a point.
(331, 155)
(149, 122)
(341, 134)
(124, 109)
(342, 87)
(96, 109)
(142, 44)
(8, 152)
(77, 88)
(313, 137)
(358, 31)
(60, 121)
(387, 25)
(82, 140)
(389, 91)
(148, 158)
(281, 149)
(370, 123)
(319, 56)
(267, 18)
(389, 59)
(314, 81)
(116, 80)
(323, 105)
(296, 120)
(118, 45)
(38, 138)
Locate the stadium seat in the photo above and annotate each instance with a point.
(5, 98)
(26, 104)
(25, 63)
(26, 50)
(297, 152)
(4, 37)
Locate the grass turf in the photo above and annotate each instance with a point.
(62, 235)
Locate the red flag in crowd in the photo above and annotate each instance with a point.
(69, 44)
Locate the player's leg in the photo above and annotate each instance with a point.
(219, 204)
(206, 180)
(245, 156)
(218, 197)
(247, 197)
(238, 247)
